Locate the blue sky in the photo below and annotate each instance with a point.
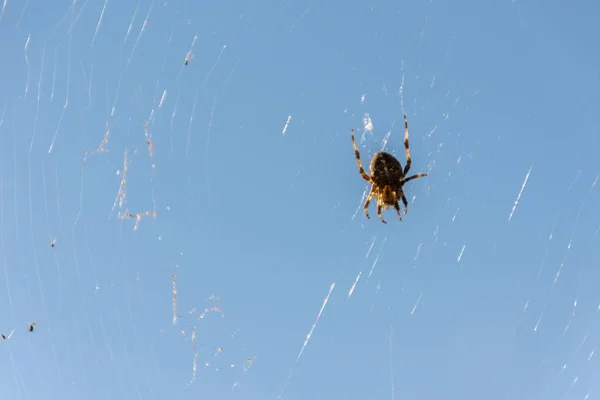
(260, 223)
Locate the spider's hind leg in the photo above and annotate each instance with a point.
(397, 207)
(405, 204)
(369, 200)
(379, 211)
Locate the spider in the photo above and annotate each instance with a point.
(387, 178)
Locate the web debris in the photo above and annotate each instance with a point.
(122, 193)
(101, 149)
(216, 307)
(138, 217)
(121, 198)
(195, 363)
(368, 126)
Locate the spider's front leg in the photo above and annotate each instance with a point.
(406, 147)
(369, 201)
(405, 180)
(357, 155)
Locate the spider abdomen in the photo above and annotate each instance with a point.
(385, 169)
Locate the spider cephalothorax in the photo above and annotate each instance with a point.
(387, 178)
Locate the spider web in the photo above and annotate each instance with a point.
(87, 286)
(181, 213)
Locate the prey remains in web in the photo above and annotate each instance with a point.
(387, 178)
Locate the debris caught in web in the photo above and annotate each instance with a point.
(138, 217)
(215, 308)
(248, 364)
(216, 350)
(4, 337)
(121, 198)
(188, 58)
(367, 126)
(148, 139)
(195, 362)
(100, 148)
(190, 55)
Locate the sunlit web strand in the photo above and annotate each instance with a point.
(520, 193)
(316, 321)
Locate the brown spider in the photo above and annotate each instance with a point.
(387, 178)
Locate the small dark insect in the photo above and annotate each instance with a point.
(188, 57)
(3, 336)
(32, 326)
(387, 178)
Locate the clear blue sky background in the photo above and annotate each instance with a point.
(268, 222)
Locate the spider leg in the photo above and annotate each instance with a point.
(397, 207)
(357, 154)
(371, 193)
(410, 178)
(406, 147)
(379, 211)
(405, 204)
